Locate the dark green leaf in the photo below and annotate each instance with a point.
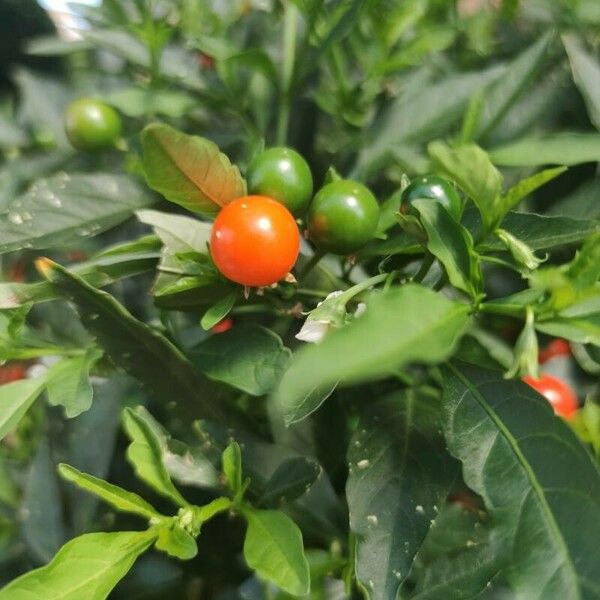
(273, 548)
(247, 357)
(117, 497)
(65, 208)
(431, 326)
(86, 567)
(189, 170)
(399, 476)
(452, 245)
(292, 478)
(547, 512)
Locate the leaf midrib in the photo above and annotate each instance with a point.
(537, 488)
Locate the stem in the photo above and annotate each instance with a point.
(362, 286)
(425, 266)
(290, 26)
(511, 310)
(311, 264)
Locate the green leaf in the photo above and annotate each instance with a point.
(452, 245)
(471, 168)
(87, 567)
(248, 357)
(117, 497)
(136, 102)
(68, 383)
(583, 329)
(504, 92)
(144, 455)
(176, 542)
(431, 326)
(525, 362)
(520, 251)
(15, 400)
(210, 510)
(273, 548)
(66, 208)
(292, 479)
(586, 73)
(134, 346)
(547, 513)
(189, 170)
(584, 270)
(217, 312)
(522, 189)
(562, 148)
(232, 466)
(399, 475)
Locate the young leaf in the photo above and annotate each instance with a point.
(273, 548)
(248, 357)
(176, 542)
(68, 382)
(431, 326)
(232, 466)
(471, 168)
(525, 361)
(65, 208)
(547, 513)
(399, 475)
(117, 497)
(210, 510)
(144, 454)
(452, 245)
(586, 73)
(189, 170)
(520, 251)
(15, 400)
(562, 148)
(89, 567)
(292, 478)
(142, 352)
(218, 311)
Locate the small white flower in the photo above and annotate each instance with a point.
(313, 331)
(322, 319)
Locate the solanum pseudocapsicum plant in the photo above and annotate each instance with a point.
(398, 457)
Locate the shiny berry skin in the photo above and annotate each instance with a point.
(434, 188)
(222, 326)
(557, 392)
(342, 217)
(554, 349)
(282, 174)
(91, 124)
(255, 241)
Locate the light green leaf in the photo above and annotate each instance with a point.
(399, 475)
(522, 189)
(546, 513)
(562, 148)
(137, 102)
(144, 454)
(117, 497)
(520, 251)
(273, 548)
(232, 466)
(176, 542)
(87, 567)
(210, 510)
(15, 400)
(218, 311)
(431, 326)
(189, 170)
(506, 90)
(248, 357)
(583, 329)
(452, 245)
(471, 168)
(68, 382)
(66, 208)
(586, 73)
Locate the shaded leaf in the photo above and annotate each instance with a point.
(292, 478)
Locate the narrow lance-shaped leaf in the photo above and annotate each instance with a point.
(452, 245)
(15, 400)
(363, 350)
(141, 351)
(189, 170)
(547, 513)
(400, 474)
(87, 567)
(273, 548)
(117, 497)
(144, 454)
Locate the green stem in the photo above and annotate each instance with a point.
(425, 266)
(311, 264)
(290, 26)
(511, 310)
(362, 286)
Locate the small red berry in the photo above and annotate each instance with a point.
(222, 326)
(555, 348)
(557, 392)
